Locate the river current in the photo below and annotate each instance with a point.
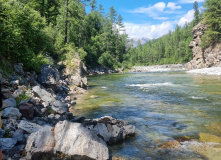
(162, 105)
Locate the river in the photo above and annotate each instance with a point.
(162, 106)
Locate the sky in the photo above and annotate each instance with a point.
(152, 18)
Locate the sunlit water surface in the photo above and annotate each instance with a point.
(162, 106)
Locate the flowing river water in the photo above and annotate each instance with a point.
(162, 105)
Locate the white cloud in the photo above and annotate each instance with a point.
(173, 6)
(152, 11)
(157, 10)
(186, 18)
(190, 1)
(147, 30)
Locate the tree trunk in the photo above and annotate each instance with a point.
(66, 24)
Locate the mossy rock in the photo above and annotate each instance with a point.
(205, 137)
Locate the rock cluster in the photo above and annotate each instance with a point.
(36, 120)
(203, 58)
(103, 70)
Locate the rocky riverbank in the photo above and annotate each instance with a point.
(207, 71)
(158, 68)
(37, 119)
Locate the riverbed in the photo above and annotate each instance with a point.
(162, 105)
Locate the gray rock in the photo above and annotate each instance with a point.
(14, 83)
(40, 143)
(19, 135)
(11, 113)
(203, 57)
(10, 102)
(73, 139)
(2, 133)
(9, 124)
(19, 68)
(109, 129)
(49, 76)
(69, 139)
(43, 95)
(77, 73)
(28, 126)
(8, 143)
(60, 107)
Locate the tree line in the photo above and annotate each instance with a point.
(174, 47)
(31, 30)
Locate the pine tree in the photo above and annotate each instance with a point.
(212, 18)
(196, 13)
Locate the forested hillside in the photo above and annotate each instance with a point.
(31, 30)
(171, 48)
(168, 49)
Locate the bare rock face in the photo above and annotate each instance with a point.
(109, 129)
(77, 72)
(67, 139)
(49, 76)
(203, 58)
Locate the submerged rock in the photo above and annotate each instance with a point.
(109, 129)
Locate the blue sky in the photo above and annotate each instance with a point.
(152, 18)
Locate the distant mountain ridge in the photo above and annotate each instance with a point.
(142, 41)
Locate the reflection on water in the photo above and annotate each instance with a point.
(162, 106)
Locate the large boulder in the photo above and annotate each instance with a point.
(40, 144)
(49, 76)
(75, 140)
(109, 129)
(71, 140)
(43, 95)
(11, 113)
(77, 72)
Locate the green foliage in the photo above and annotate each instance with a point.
(30, 31)
(82, 53)
(106, 60)
(22, 33)
(212, 17)
(196, 13)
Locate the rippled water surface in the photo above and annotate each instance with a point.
(162, 106)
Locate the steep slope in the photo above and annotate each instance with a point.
(203, 58)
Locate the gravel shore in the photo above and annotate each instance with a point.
(158, 68)
(207, 71)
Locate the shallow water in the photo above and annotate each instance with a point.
(162, 106)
